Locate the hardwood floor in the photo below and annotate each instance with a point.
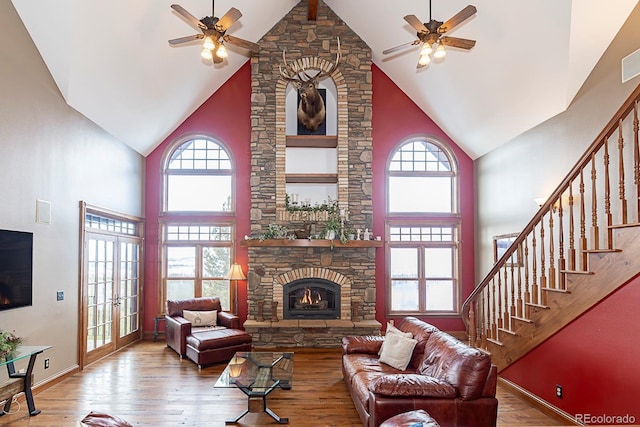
(148, 385)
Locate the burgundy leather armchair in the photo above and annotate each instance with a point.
(208, 344)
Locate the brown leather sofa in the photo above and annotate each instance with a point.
(453, 382)
(207, 344)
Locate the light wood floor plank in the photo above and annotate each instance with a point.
(148, 385)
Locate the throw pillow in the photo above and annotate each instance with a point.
(201, 318)
(397, 351)
(393, 330)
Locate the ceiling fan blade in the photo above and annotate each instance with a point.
(416, 24)
(253, 47)
(457, 42)
(189, 17)
(402, 46)
(228, 19)
(457, 19)
(186, 39)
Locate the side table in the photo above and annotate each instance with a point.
(22, 382)
(156, 320)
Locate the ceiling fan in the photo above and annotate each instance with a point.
(214, 33)
(432, 33)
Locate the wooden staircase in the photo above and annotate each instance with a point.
(581, 246)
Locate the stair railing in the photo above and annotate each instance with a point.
(576, 219)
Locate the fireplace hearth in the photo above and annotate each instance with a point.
(311, 299)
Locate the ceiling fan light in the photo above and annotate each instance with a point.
(424, 60)
(426, 49)
(208, 43)
(206, 54)
(221, 52)
(440, 52)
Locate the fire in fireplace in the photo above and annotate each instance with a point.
(311, 299)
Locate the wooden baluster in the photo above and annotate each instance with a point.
(527, 291)
(623, 199)
(595, 230)
(636, 158)
(562, 265)
(607, 195)
(487, 325)
(583, 226)
(552, 265)
(493, 333)
(520, 304)
(506, 321)
(472, 324)
(572, 243)
(499, 311)
(534, 273)
(543, 277)
(513, 307)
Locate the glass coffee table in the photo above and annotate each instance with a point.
(257, 374)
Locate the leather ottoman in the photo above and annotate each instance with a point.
(417, 418)
(217, 345)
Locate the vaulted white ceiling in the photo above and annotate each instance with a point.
(112, 62)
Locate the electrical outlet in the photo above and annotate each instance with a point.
(59, 295)
(558, 391)
(46, 363)
(21, 371)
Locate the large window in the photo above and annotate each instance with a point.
(198, 224)
(422, 229)
(198, 178)
(198, 258)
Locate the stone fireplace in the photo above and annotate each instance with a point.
(312, 266)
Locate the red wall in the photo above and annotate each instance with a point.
(396, 118)
(594, 358)
(226, 115)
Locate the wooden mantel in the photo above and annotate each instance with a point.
(312, 243)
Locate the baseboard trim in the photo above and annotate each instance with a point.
(544, 406)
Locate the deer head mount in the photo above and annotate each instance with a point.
(311, 110)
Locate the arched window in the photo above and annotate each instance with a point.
(422, 229)
(198, 177)
(198, 221)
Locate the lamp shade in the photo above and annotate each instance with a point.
(235, 272)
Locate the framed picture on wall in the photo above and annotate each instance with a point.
(500, 245)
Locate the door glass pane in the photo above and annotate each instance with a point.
(181, 261)
(404, 295)
(180, 289)
(99, 291)
(128, 293)
(440, 295)
(438, 262)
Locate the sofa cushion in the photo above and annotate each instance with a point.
(360, 385)
(412, 385)
(355, 363)
(368, 344)
(421, 332)
(175, 307)
(464, 367)
(397, 351)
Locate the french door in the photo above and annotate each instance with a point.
(111, 280)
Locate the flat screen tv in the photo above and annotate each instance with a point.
(16, 269)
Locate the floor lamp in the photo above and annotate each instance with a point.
(235, 273)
